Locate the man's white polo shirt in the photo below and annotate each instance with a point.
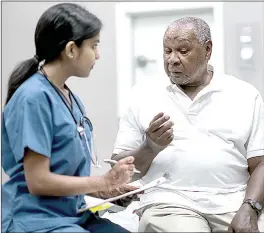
(214, 135)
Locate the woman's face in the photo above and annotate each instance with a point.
(87, 55)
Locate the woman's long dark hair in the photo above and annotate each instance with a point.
(57, 26)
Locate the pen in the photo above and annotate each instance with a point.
(110, 161)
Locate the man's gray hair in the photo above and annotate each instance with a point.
(200, 27)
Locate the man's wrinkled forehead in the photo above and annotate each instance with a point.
(179, 33)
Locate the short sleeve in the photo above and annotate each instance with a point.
(255, 142)
(30, 126)
(130, 135)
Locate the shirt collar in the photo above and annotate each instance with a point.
(215, 85)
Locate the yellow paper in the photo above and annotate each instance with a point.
(100, 207)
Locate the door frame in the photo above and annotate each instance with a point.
(125, 11)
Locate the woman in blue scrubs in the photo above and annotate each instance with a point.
(46, 136)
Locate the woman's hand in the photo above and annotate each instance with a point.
(116, 192)
(120, 174)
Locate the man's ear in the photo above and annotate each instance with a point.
(210, 68)
(208, 47)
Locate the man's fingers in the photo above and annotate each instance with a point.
(164, 128)
(160, 130)
(166, 135)
(156, 124)
(166, 141)
(159, 115)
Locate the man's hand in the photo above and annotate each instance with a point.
(159, 135)
(245, 220)
(160, 130)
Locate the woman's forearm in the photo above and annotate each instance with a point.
(60, 185)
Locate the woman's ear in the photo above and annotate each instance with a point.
(71, 50)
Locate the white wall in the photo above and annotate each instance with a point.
(246, 14)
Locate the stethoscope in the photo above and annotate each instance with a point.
(80, 126)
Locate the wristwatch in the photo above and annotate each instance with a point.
(257, 206)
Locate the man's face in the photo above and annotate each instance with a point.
(185, 59)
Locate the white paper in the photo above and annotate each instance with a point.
(99, 202)
(94, 201)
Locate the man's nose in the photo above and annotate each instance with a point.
(174, 58)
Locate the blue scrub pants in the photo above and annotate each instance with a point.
(94, 224)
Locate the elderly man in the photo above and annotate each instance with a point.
(206, 130)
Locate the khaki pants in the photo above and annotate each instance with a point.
(167, 218)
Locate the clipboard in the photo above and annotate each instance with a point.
(100, 202)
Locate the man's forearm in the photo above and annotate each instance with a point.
(144, 156)
(255, 187)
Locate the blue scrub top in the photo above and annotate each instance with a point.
(36, 118)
